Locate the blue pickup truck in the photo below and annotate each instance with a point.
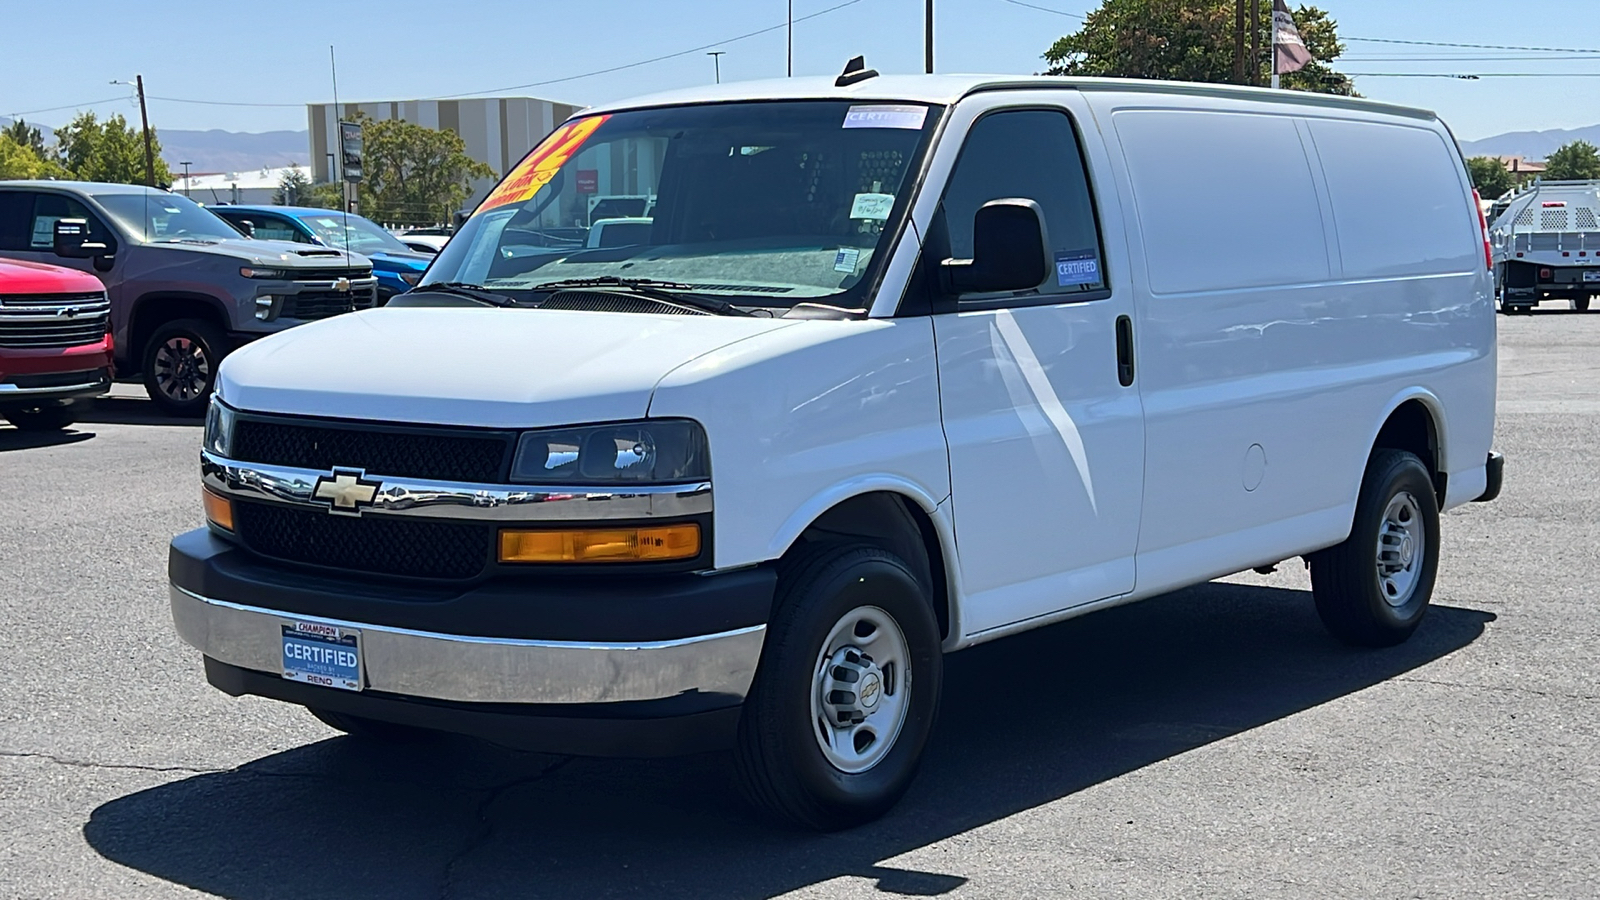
(397, 266)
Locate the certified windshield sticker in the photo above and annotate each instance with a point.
(846, 259)
(872, 206)
(910, 117)
(1077, 267)
(541, 165)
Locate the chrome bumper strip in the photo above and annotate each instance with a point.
(485, 670)
(455, 500)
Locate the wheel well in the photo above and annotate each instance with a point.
(895, 523)
(1411, 428)
(152, 312)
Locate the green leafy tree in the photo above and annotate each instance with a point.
(1577, 161)
(28, 136)
(113, 151)
(414, 174)
(19, 161)
(1189, 40)
(292, 187)
(1490, 176)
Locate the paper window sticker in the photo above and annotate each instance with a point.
(872, 206)
(886, 116)
(1077, 267)
(846, 259)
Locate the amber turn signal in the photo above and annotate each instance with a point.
(219, 509)
(646, 544)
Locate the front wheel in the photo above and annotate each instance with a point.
(180, 366)
(1373, 589)
(52, 417)
(846, 692)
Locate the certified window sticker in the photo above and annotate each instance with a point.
(1077, 267)
(888, 116)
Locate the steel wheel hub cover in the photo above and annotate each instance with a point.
(1402, 541)
(862, 690)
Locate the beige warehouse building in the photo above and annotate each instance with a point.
(497, 130)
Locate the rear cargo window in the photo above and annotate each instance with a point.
(1398, 201)
(1224, 200)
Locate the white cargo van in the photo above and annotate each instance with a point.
(901, 365)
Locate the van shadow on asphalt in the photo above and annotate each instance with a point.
(16, 439)
(131, 411)
(1026, 721)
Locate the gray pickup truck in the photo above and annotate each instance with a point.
(185, 287)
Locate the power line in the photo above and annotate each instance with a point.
(1362, 58)
(1472, 76)
(68, 106)
(1059, 12)
(1366, 40)
(645, 62)
(222, 102)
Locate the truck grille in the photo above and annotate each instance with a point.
(435, 454)
(319, 301)
(52, 321)
(445, 550)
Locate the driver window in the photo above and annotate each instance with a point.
(272, 228)
(1032, 154)
(48, 208)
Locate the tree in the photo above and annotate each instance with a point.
(1188, 40)
(1577, 161)
(91, 150)
(19, 161)
(26, 135)
(414, 174)
(1490, 176)
(292, 187)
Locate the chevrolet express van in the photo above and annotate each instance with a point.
(901, 365)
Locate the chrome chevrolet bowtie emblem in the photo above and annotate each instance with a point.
(346, 491)
(341, 284)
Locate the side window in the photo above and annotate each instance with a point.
(48, 208)
(272, 228)
(1032, 154)
(16, 217)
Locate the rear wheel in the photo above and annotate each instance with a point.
(1373, 589)
(1581, 304)
(52, 417)
(846, 692)
(180, 366)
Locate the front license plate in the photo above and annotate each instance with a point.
(326, 655)
(1591, 275)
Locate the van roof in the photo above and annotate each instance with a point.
(945, 89)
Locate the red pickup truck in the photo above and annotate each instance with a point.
(55, 348)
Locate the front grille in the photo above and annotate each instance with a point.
(434, 454)
(52, 321)
(322, 304)
(404, 548)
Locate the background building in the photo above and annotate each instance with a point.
(212, 189)
(497, 130)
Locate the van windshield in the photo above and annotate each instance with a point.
(761, 204)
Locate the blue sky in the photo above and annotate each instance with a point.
(278, 53)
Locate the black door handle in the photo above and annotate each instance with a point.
(1125, 350)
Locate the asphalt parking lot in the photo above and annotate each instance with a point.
(1210, 743)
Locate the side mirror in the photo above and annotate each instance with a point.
(1008, 250)
(246, 226)
(70, 240)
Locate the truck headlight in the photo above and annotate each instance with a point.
(255, 272)
(411, 278)
(219, 428)
(655, 451)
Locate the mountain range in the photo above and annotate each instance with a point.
(1530, 144)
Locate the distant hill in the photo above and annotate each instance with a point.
(1530, 144)
(220, 151)
(233, 151)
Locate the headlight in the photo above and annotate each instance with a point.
(219, 428)
(253, 272)
(411, 278)
(657, 451)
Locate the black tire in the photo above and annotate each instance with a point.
(52, 417)
(1581, 304)
(779, 762)
(374, 730)
(180, 366)
(1357, 604)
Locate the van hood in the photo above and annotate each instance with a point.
(500, 368)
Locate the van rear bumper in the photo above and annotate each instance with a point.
(1494, 470)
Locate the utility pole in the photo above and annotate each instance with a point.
(1238, 42)
(1255, 42)
(149, 150)
(927, 39)
(716, 61)
(185, 165)
(791, 38)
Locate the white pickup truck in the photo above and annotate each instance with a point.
(899, 365)
(1547, 246)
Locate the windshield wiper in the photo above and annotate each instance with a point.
(470, 291)
(665, 291)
